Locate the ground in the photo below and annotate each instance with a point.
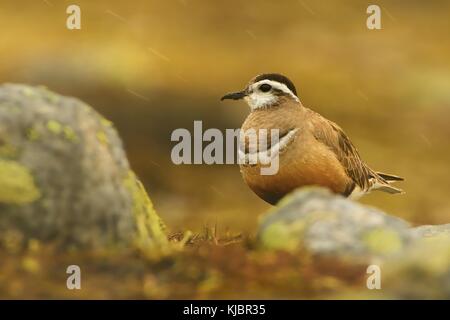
(209, 267)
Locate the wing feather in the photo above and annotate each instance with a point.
(330, 134)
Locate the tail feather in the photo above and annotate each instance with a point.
(387, 188)
(389, 177)
(383, 183)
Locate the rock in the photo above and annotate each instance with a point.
(432, 230)
(325, 223)
(422, 271)
(414, 262)
(64, 175)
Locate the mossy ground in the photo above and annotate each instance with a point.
(209, 266)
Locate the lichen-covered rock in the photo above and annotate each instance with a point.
(422, 271)
(64, 175)
(432, 230)
(16, 184)
(325, 223)
(414, 262)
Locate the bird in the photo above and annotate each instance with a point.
(313, 151)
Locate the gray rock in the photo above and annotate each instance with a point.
(414, 262)
(432, 230)
(325, 223)
(64, 175)
(422, 271)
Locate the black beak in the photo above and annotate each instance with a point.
(234, 95)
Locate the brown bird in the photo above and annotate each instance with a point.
(312, 150)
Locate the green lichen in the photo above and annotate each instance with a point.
(54, 127)
(17, 185)
(53, 98)
(102, 138)
(282, 236)
(70, 134)
(33, 134)
(383, 241)
(105, 122)
(151, 236)
(288, 235)
(28, 91)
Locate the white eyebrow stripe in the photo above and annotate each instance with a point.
(277, 85)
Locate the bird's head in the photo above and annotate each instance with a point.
(265, 91)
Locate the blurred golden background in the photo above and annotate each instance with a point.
(154, 66)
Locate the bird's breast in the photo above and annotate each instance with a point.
(301, 162)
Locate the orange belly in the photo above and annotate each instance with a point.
(300, 166)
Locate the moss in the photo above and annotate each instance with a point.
(102, 138)
(16, 184)
(12, 240)
(213, 280)
(31, 265)
(383, 241)
(54, 127)
(8, 151)
(151, 236)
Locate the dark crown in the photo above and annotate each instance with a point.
(276, 77)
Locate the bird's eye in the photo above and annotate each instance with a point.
(265, 87)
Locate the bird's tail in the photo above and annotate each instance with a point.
(385, 184)
(387, 188)
(390, 177)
